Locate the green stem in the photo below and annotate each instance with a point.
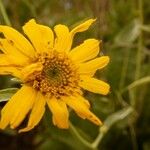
(31, 7)
(137, 83)
(139, 52)
(102, 132)
(133, 137)
(76, 134)
(97, 141)
(121, 101)
(140, 42)
(4, 14)
(124, 69)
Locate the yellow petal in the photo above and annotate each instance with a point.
(41, 36)
(7, 112)
(36, 113)
(15, 107)
(94, 85)
(82, 27)
(4, 61)
(14, 54)
(14, 71)
(25, 99)
(18, 41)
(60, 112)
(86, 51)
(81, 109)
(28, 71)
(90, 67)
(63, 41)
(86, 102)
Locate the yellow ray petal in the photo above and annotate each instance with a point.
(60, 112)
(82, 27)
(28, 71)
(81, 109)
(63, 41)
(36, 113)
(14, 54)
(90, 67)
(83, 100)
(4, 61)
(86, 51)
(14, 106)
(18, 41)
(41, 36)
(25, 99)
(14, 71)
(7, 112)
(94, 85)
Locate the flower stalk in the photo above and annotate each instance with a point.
(140, 42)
(4, 14)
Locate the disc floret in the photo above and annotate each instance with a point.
(59, 76)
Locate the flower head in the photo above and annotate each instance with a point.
(51, 73)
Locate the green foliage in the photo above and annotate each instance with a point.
(128, 34)
(124, 28)
(7, 93)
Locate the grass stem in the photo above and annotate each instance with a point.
(4, 14)
(140, 42)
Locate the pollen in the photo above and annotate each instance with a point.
(59, 76)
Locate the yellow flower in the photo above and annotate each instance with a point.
(51, 73)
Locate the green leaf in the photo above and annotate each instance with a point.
(128, 34)
(111, 120)
(117, 116)
(16, 80)
(145, 28)
(6, 94)
(136, 83)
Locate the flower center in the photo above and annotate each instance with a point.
(59, 76)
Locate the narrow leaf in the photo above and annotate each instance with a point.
(6, 94)
(136, 83)
(111, 120)
(128, 34)
(145, 28)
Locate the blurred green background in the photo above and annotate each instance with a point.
(124, 28)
